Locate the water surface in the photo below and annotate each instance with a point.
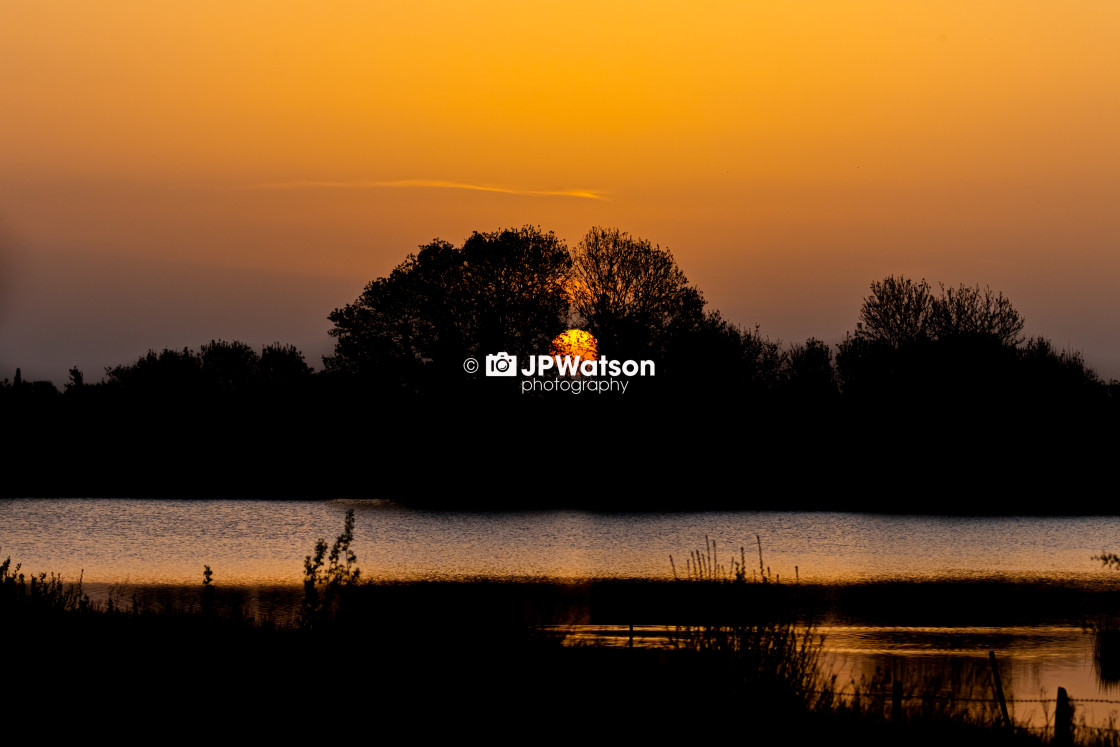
(252, 541)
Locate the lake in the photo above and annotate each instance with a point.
(254, 541)
(259, 543)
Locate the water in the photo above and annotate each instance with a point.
(1034, 661)
(262, 542)
(254, 542)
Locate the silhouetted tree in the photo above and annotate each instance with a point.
(1049, 372)
(808, 369)
(502, 291)
(76, 382)
(720, 361)
(282, 365)
(30, 391)
(897, 312)
(865, 366)
(758, 362)
(220, 367)
(971, 312)
(229, 366)
(900, 311)
(518, 281)
(168, 371)
(632, 295)
(962, 343)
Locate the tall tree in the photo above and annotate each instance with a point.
(229, 366)
(632, 295)
(502, 291)
(897, 312)
(900, 311)
(970, 312)
(962, 343)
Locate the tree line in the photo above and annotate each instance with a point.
(395, 386)
(514, 290)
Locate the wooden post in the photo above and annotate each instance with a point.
(1063, 719)
(896, 701)
(999, 690)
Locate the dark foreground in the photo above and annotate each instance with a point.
(472, 660)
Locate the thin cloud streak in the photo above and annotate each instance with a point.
(586, 194)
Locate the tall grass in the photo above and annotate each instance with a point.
(704, 565)
(39, 594)
(768, 654)
(751, 640)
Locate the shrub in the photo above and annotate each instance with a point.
(323, 586)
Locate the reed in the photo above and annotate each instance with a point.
(704, 565)
(752, 644)
(42, 593)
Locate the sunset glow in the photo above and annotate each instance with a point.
(240, 169)
(550, 357)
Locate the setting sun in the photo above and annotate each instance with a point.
(575, 343)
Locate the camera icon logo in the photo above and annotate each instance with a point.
(501, 364)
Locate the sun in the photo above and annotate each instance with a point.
(575, 342)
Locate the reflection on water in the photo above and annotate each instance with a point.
(1106, 654)
(951, 664)
(168, 541)
(1034, 663)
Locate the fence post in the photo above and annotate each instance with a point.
(1063, 719)
(999, 690)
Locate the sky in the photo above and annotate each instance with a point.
(176, 172)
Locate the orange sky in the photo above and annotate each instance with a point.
(180, 171)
